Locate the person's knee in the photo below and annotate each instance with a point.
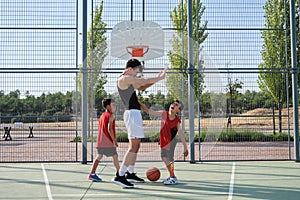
(134, 148)
(138, 145)
(99, 157)
(115, 157)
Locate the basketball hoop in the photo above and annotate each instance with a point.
(143, 40)
(137, 51)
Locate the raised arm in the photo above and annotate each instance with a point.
(144, 87)
(161, 74)
(144, 83)
(157, 113)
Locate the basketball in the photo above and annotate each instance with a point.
(153, 174)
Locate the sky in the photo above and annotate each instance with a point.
(37, 36)
(40, 47)
(232, 49)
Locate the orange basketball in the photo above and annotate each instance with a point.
(153, 174)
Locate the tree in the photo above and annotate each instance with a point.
(14, 103)
(255, 99)
(97, 51)
(178, 56)
(29, 103)
(68, 102)
(233, 94)
(275, 54)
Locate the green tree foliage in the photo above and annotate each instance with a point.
(253, 99)
(45, 108)
(276, 53)
(273, 82)
(233, 95)
(97, 51)
(178, 56)
(60, 107)
(288, 32)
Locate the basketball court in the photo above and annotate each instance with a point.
(210, 180)
(146, 41)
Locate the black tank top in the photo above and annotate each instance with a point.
(129, 98)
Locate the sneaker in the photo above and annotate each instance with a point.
(121, 180)
(171, 181)
(175, 178)
(132, 177)
(94, 177)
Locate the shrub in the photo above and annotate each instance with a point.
(250, 136)
(151, 137)
(122, 137)
(225, 136)
(76, 139)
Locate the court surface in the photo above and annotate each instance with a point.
(210, 180)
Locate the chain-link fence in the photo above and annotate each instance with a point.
(242, 83)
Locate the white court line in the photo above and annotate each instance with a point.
(230, 192)
(46, 183)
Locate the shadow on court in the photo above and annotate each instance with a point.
(274, 180)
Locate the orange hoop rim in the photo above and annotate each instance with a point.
(137, 50)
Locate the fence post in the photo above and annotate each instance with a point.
(191, 81)
(84, 108)
(294, 78)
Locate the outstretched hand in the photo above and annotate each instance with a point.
(162, 74)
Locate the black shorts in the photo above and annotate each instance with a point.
(169, 154)
(109, 151)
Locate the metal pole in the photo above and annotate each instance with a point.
(143, 11)
(287, 81)
(191, 80)
(131, 11)
(182, 64)
(84, 108)
(76, 95)
(294, 78)
(198, 82)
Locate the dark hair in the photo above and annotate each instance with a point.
(107, 102)
(181, 104)
(133, 63)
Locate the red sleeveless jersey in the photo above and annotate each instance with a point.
(168, 130)
(104, 140)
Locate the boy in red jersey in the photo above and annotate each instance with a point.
(106, 141)
(170, 126)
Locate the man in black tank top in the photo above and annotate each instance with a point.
(128, 83)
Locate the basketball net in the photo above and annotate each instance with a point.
(137, 51)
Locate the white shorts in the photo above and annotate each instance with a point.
(134, 123)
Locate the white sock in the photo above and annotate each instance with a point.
(130, 169)
(122, 170)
